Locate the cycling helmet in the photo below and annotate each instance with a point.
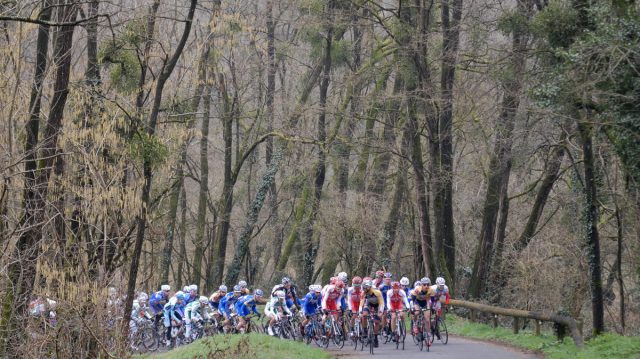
(185, 289)
(237, 289)
(180, 296)
(343, 276)
(425, 281)
(259, 293)
(318, 288)
(333, 280)
(417, 284)
(379, 273)
(280, 294)
(367, 284)
(242, 284)
(193, 288)
(312, 287)
(366, 279)
(388, 275)
(143, 297)
(356, 281)
(165, 288)
(286, 280)
(223, 288)
(339, 284)
(440, 281)
(395, 285)
(404, 281)
(203, 299)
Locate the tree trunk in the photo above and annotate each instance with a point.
(204, 189)
(591, 228)
(500, 163)
(167, 69)
(310, 246)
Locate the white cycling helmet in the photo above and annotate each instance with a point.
(280, 294)
(317, 288)
(343, 276)
(367, 283)
(193, 288)
(223, 288)
(440, 281)
(425, 281)
(242, 284)
(404, 281)
(417, 284)
(185, 289)
(165, 288)
(143, 297)
(203, 299)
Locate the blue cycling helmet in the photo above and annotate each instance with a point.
(259, 293)
(180, 296)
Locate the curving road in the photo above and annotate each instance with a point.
(457, 348)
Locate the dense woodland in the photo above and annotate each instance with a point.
(495, 143)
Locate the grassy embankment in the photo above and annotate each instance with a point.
(249, 346)
(604, 346)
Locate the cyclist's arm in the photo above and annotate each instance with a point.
(404, 299)
(381, 303)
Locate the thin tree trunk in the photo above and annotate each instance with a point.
(591, 229)
(500, 164)
(204, 189)
(310, 246)
(147, 166)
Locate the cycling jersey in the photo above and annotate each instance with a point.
(384, 288)
(195, 310)
(441, 294)
(225, 304)
(331, 299)
(290, 294)
(244, 304)
(172, 311)
(311, 303)
(421, 295)
(354, 296)
(372, 298)
(271, 309)
(157, 301)
(397, 300)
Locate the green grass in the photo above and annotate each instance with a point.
(602, 347)
(249, 346)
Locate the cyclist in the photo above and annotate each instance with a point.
(195, 312)
(331, 301)
(290, 292)
(172, 314)
(214, 299)
(274, 306)
(158, 300)
(440, 295)
(310, 304)
(371, 301)
(396, 301)
(354, 296)
(345, 279)
(404, 284)
(378, 280)
(245, 287)
(244, 304)
(192, 294)
(384, 288)
(421, 298)
(226, 303)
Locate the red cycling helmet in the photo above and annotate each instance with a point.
(366, 279)
(356, 281)
(379, 273)
(333, 280)
(339, 284)
(395, 285)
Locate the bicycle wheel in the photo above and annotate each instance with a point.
(318, 333)
(402, 332)
(418, 336)
(370, 336)
(355, 334)
(426, 337)
(148, 339)
(442, 330)
(338, 338)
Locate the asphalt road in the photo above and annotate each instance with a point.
(457, 348)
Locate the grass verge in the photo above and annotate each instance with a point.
(607, 346)
(249, 346)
